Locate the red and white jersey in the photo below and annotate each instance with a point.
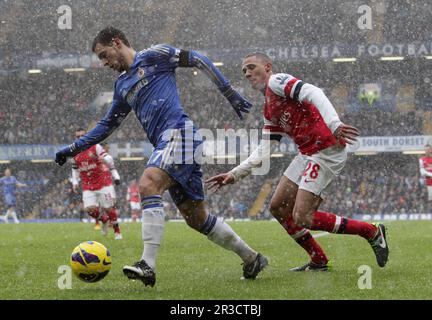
(133, 193)
(93, 172)
(426, 169)
(301, 111)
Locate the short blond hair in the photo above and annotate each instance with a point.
(261, 55)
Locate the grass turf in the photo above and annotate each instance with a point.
(191, 267)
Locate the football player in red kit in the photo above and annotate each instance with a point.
(302, 112)
(134, 199)
(425, 163)
(94, 167)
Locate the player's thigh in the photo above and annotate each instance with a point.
(154, 181)
(283, 200)
(90, 199)
(106, 197)
(314, 181)
(296, 168)
(194, 212)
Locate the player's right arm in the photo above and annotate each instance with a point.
(423, 171)
(112, 120)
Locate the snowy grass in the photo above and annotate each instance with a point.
(191, 267)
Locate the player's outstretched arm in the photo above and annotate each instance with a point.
(255, 160)
(196, 59)
(100, 132)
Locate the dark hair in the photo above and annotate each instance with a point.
(260, 55)
(106, 36)
(80, 129)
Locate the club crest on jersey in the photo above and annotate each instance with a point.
(140, 72)
(282, 79)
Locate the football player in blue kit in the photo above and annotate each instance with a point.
(147, 85)
(10, 183)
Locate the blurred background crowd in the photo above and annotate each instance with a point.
(368, 185)
(46, 107)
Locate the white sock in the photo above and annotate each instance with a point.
(14, 216)
(224, 236)
(153, 224)
(6, 217)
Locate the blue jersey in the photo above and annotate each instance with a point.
(9, 185)
(149, 89)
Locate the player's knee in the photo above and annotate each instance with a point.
(148, 186)
(302, 219)
(92, 211)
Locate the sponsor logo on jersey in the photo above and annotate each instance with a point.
(283, 121)
(87, 167)
(131, 95)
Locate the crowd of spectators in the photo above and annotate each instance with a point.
(382, 184)
(46, 109)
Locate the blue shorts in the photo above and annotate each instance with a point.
(10, 200)
(175, 156)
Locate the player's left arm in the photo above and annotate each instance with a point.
(343, 132)
(288, 86)
(109, 161)
(189, 59)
